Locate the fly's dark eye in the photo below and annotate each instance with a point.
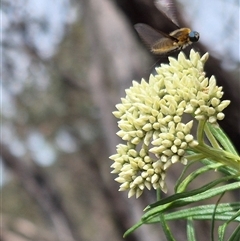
(193, 36)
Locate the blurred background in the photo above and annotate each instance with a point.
(64, 66)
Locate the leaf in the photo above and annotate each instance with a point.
(190, 230)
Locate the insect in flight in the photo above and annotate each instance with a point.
(161, 43)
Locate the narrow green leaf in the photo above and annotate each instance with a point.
(224, 226)
(222, 138)
(224, 212)
(213, 216)
(218, 217)
(182, 187)
(179, 181)
(224, 169)
(221, 232)
(133, 228)
(190, 230)
(190, 199)
(236, 234)
(166, 228)
(189, 193)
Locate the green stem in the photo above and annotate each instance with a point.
(158, 194)
(200, 131)
(211, 138)
(222, 138)
(165, 227)
(195, 157)
(215, 152)
(218, 155)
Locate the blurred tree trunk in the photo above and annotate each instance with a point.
(40, 188)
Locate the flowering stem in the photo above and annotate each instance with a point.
(165, 227)
(222, 138)
(200, 131)
(211, 138)
(215, 152)
(158, 194)
(218, 155)
(195, 157)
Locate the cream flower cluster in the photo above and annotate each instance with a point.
(151, 121)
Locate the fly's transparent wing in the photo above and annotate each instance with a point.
(157, 42)
(168, 8)
(149, 35)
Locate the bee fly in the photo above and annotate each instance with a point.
(161, 43)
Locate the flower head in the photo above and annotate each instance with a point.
(151, 121)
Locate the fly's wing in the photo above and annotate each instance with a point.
(158, 42)
(167, 7)
(149, 35)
